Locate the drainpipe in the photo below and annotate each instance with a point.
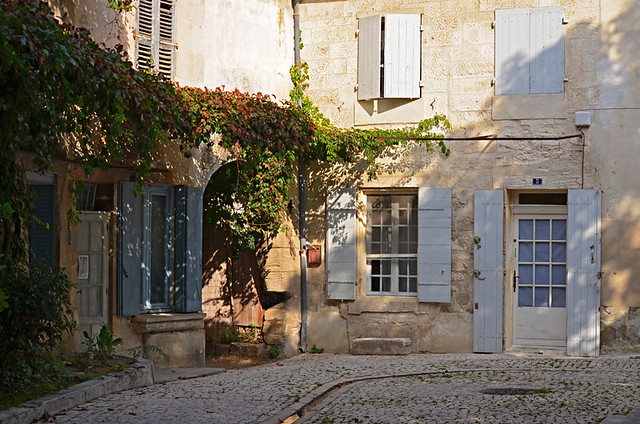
(302, 205)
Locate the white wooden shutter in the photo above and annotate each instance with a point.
(434, 244)
(130, 248)
(341, 244)
(487, 264)
(402, 56)
(369, 48)
(512, 51)
(529, 51)
(546, 50)
(583, 266)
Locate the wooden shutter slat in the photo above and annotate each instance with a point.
(434, 244)
(369, 45)
(341, 244)
(402, 56)
(488, 262)
(583, 266)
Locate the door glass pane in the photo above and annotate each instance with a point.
(525, 229)
(559, 252)
(542, 229)
(542, 275)
(158, 249)
(525, 273)
(558, 274)
(525, 296)
(559, 229)
(526, 252)
(559, 297)
(542, 297)
(542, 252)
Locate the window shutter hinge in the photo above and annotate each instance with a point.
(493, 24)
(421, 84)
(421, 28)
(357, 32)
(566, 79)
(565, 21)
(493, 82)
(355, 87)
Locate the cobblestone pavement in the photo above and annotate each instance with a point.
(453, 388)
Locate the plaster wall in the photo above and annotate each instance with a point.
(457, 70)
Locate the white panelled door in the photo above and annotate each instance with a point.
(93, 264)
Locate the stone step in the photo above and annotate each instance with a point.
(381, 346)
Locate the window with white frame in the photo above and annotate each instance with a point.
(389, 51)
(392, 244)
(529, 51)
(155, 46)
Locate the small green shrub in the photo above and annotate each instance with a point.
(103, 348)
(273, 352)
(230, 335)
(316, 349)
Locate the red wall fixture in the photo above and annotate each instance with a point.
(314, 255)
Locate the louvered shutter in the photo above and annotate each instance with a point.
(583, 266)
(529, 51)
(130, 248)
(402, 56)
(546, 69)
(487, 264)
(41, 236)
(188, 250)
(155, 47)
(434, 244)
(341, 244)
(369, 61)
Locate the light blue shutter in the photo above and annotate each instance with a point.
(341, 244)
(188, 251)
(165, 38)
(487, 264)
(369, 45)
(434, 244)
(130, 227)
(512, 51)
(402, 56)
(583, 266)
(546, 50)
(147, 21)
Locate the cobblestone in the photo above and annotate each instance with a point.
(450, 388)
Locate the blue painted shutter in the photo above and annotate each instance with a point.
(583, 266)
(130, 248)
(546, 69)
(529, 51)
(402, 56)
(369, 61)
(144, 35)
(512, 51)
(488, 276)
(434, 244)
(154, 36)
(341, 244)
(41, 236)
(188, 250)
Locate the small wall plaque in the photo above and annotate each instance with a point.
(537, 181)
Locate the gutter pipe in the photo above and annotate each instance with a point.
(302, 205)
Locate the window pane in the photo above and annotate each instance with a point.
(403, 234)
(559, 231)
(559, 252)
(525, 229)
(542, 252)
(526, 252)
(542, 275)
(525, 274)
(375, 284)
(558, 297)
(386, 267)
(375, 267)
(402, 284)
(385, 216)
(542, 297)
(542, 229)
(403, 217)
(525, 296)
(413, 285)
(375, 234)
(559, 274)
(386, 284)
(413, 267)
(158, 249)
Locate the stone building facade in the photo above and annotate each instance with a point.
(526, 234)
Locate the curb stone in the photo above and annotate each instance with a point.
(138, 374)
